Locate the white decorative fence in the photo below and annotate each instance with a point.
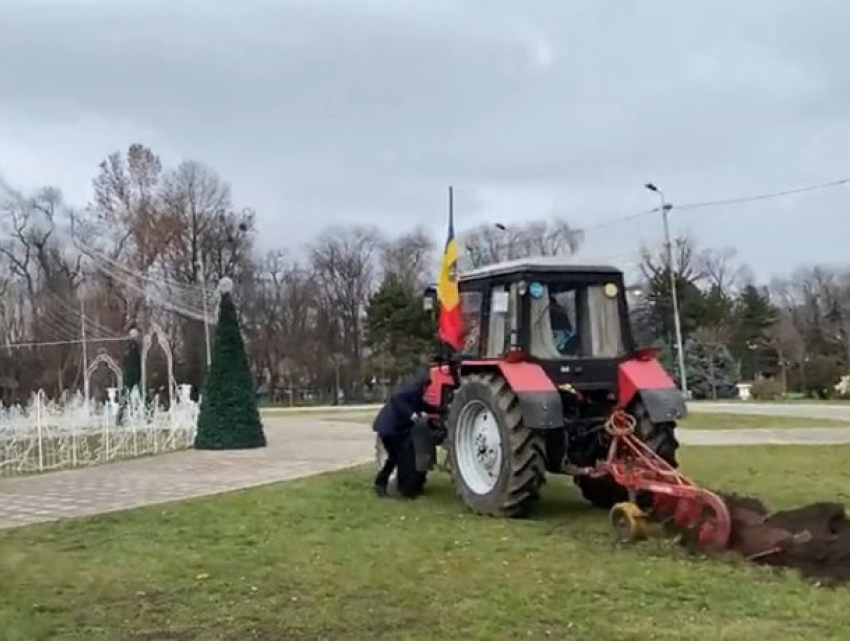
(75, 432)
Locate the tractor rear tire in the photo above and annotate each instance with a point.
(497, 464)
(660, 437)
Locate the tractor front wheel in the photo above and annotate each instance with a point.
(497, 464)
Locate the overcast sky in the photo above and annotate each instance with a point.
(320, 112)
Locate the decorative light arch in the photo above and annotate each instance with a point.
(101, 359)
(156, 331)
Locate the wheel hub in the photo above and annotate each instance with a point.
(479, 447)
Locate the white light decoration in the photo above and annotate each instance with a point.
(225, 285)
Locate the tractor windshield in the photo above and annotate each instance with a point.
(570, 321)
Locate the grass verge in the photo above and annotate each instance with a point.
(694, 420)
(323, 559)
(711, 421)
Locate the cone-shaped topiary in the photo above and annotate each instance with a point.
(229, 418)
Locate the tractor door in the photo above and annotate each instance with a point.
(472, 310)
(502, 322)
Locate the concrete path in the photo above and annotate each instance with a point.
(298, 446)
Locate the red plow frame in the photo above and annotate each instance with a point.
(676, 499)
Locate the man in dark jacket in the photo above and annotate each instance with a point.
(395, 420)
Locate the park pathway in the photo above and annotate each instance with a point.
(298, 446)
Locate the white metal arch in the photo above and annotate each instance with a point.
(101, 359)
(156, 331)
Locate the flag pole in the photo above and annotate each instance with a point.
(447, 352)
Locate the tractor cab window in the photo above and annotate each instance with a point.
(470, 309)
(569, 321)
(502, 320)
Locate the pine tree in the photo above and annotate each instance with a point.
(709, 367)
(398, 330)
(754, 314)
(659, 300)
(229, 418)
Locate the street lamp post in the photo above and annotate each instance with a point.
(677, 323)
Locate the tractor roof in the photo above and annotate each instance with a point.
(540, 265)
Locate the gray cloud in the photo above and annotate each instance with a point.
(325, 111)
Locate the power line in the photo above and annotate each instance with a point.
(616, 221)
(717, 203)
(75, 341)
(162, 281)
(767, 196)
(76, 313)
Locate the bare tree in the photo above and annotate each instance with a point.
(281, 311)
(39, 257)
(723, 270)
(343, 261)
(410, 258)
(686, 262)
(128, 227)
(206, 241)
(127, 207)
(487, 244)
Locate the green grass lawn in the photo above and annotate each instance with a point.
(710, 420)
(694, 420)
(323, 559)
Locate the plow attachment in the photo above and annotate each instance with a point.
(659, 493)
(814, 539)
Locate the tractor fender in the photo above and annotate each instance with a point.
(539, 399)
(644, 379)
(442, 384)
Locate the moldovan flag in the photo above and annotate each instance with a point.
(451, 320)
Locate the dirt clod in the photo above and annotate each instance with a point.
(812, 539)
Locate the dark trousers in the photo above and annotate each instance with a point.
(401, 454)
(392, 445)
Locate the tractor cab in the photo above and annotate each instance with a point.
(571, 319)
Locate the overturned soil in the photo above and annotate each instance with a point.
(813, 539)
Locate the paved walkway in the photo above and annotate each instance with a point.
(298, 446)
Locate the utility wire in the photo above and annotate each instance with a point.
(75, 341)
(717, 203)
(767, 196)
(76, 313)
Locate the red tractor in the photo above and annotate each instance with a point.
(549, 358)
